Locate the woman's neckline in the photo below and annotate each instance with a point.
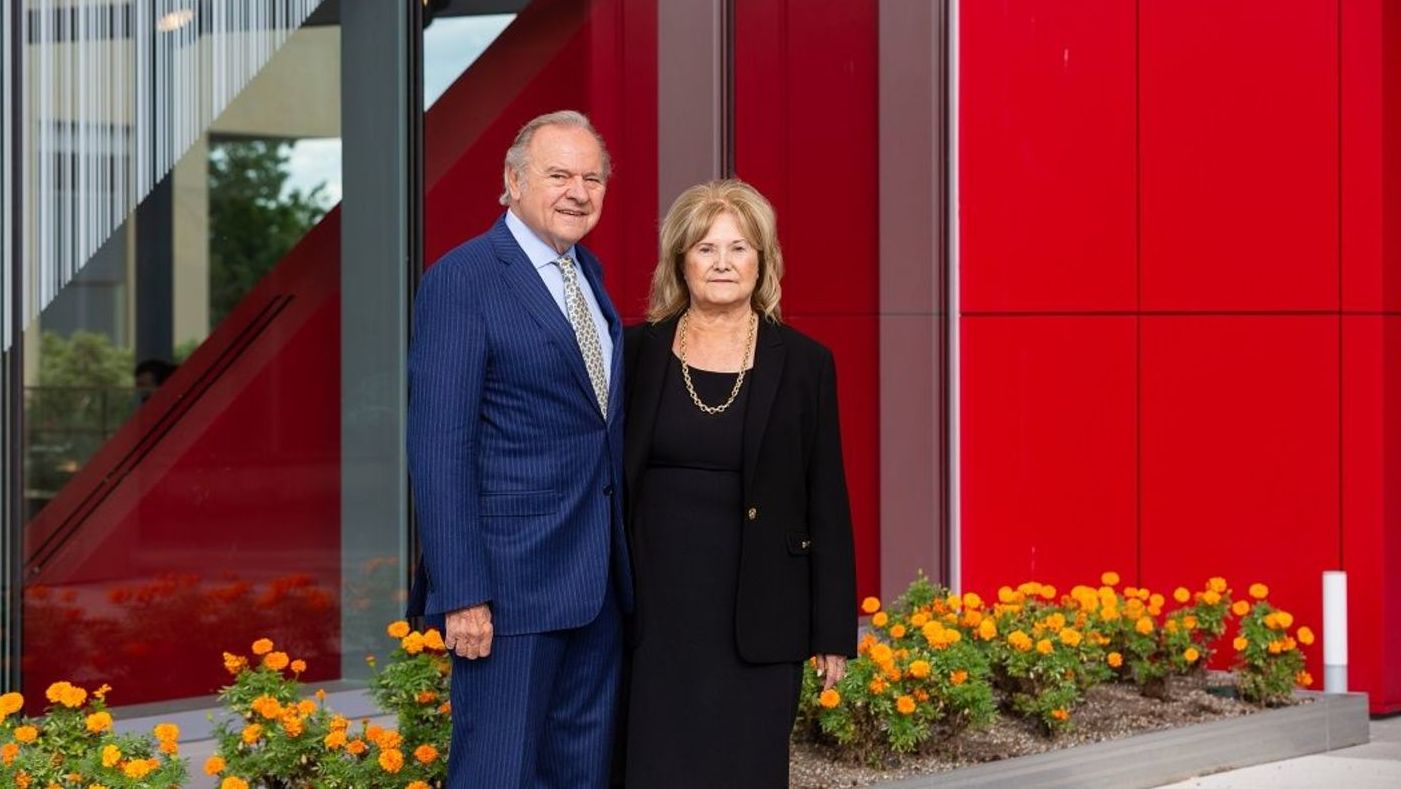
(696, 369)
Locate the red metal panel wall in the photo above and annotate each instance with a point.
(805, 135)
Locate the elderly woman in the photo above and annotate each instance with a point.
(737, 505)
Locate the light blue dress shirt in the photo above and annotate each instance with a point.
(543, 257)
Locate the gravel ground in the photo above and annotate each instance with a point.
(1108, 713)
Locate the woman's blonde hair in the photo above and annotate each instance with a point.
(687, 222)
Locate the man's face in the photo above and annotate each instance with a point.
(559, 196)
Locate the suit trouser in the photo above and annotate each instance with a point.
(540, 710)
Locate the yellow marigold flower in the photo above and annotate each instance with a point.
(1070, 637)
(111, 754)
(958, 677)
(276, 660)
(1109, 613)
(987, 629)
(972, 618)
(99, 722)
(398, 629)
(1272, 620)
(1055, 621)
(1171, 626)
(1109, 578)
(339, 723)
(879, 619)
(954, 602)
(234, 663)
(1189, 622)
(412, 643)
(233, 783)
(1240, 643)
(1045, 647)
(1240, 608)
(905, 704)
(298, 666)
(320, 694)
(1060, 714)
(1285, 619)
(262, 646)
(1115, 659)
(306, 707)
(292, 725)
(919, 619)
(1216, 584)
(26, 734)
(252, 733)
(1048, 592)
(1303, 679)
(1019, 641)
(972, 600)
(425, 754)
(1276, 647)
(1290, 644)
(830, 698)
(870, 605)
(1156, 601)
(139, 768)
(881, 653)
(10, 703)
(1181, 595)
(434, 640)
(897, 631)
(876, 685)
(1305, 636)
(1259, 591)
(166, 732)
(214, 765)
(1191, 654)
(867, 641)
(334, 740)
(1143, 626)
(1211, 597)
(919, 669)
(72, 696)
(55, 691)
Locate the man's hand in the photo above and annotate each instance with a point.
(469, 632)
(831, 668)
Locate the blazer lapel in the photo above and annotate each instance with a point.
(644, 395)
(521, 276)
(769, 353)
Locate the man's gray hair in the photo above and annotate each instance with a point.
(518, 155)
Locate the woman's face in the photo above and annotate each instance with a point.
(722, 268)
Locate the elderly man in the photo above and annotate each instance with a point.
(515, 452)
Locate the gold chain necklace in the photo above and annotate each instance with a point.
(739, 380)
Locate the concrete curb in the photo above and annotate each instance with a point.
(1161, 757)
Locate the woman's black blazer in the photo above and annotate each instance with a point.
(797, 577)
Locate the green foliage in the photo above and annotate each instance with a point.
(254, 220)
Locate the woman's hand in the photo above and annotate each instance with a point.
(831, 668)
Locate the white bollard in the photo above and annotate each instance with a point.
(1335, 632)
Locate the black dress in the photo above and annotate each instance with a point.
(698, 715)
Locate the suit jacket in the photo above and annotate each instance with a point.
(797, 579)
(514, 468)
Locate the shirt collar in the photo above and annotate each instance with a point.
(538, 252)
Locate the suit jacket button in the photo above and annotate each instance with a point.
(753, 513)
(608, 491)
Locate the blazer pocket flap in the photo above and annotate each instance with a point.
(799, 543)
(517, 504)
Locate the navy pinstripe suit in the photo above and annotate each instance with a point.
(516, 479)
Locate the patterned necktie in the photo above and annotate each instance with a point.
(584, 331)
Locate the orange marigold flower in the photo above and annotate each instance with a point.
(1115, 659)
(830, 698)
(1285, 619)
(905, 705)
(987, 629)
(233, 783)
(958, 677)
(389, 739)
(1070, 637)
(1240, 608)
(391, 760)
(356, 747)
(880, 619)
(919, 669)
(1181, 595)
(166, 732)
(23, 780)
(1259, 591)
(298, 666)
(434, 640)
(881, 653)
(1045, 647)
(1143, 626)
(1276, 647)
(398, 629)
(26, 734)
(169, 747)
(1305, 636)
(72, 696)
(55, 691)
(1060, 714)
(267, 706)
(334, 740)
(111, 754)
(10, 703)
(417, 785)
(252, 733)
(1109, 578)
(919, 619)
(426, 697)
(1191, 654)
(1303, 679)
(412, 643)
(870, 605)
(425, 754)
(99, 722)
(320, 694)
(1216, 584)
(292, 725)
(234, 663)
(214, 765)
(1240, 643)
(898, 631)
(972, 600)
(101, 693)
(1048, 592)
(1211, 597)
(306, 707)
(445, 708)
(262, 646)
(276, 660)
(8, 752)
(1019, 641)
(876, 686)
(139, 768)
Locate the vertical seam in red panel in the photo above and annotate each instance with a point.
(1339, 231)
(1138, 297)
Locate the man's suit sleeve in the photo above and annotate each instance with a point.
(829, 516)
(447, 368)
